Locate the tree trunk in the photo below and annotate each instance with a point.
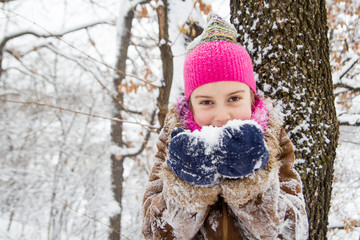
(167, 62)
(117, 127)
(162, 101)
(288, 44)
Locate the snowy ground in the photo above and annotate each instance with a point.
(346, 195)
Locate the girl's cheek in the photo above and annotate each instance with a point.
(202, 118)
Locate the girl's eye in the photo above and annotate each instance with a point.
(234, 99)
(206, 102)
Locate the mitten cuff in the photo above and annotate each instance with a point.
(241, 191)
(192, 197)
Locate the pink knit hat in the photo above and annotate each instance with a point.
(215, 56)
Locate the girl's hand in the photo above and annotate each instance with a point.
(189, 159)
(242, 150)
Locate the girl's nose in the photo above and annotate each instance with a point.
(222, 117)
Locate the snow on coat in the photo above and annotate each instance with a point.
(268, 204)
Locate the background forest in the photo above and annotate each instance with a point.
(84, 86)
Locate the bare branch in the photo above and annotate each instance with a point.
(343, 123)
(54, 49)
(58, 36)
(349, 66)
(26, 67)
(341, 227)
(343, 85)
(140, 24)
(187, 19)
(145, 141)
(140, 54)
(87, 216)
(352, 142)
(150, 128)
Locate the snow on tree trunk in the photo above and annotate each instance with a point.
(288, 43)
(117, 168)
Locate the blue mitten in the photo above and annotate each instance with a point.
(189, 159)
(242, 151)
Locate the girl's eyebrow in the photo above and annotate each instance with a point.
(202, 96)
(236, 92)
(232, 93)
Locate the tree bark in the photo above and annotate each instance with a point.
(117, 168)
(167, 62)
(288, 44)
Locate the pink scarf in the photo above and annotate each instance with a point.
(259, 114)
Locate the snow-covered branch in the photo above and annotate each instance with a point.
(348, 66)
(48, 34)
(340, 81)
(348, 119)
(347, 86)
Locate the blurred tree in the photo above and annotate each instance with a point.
(344, 36)
(166, 59)
(48, 74)
(125, 32)
(117, 168)
(289, 46)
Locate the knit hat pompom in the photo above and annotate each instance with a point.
(215, 56)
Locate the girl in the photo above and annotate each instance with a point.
(224, 166)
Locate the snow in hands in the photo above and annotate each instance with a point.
(235, 150)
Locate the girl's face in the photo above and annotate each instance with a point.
(216, 103)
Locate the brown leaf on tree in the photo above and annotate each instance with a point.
(148, 73)
(143, 13)
(205, 8)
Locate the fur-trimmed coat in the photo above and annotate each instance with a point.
(269, 204)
